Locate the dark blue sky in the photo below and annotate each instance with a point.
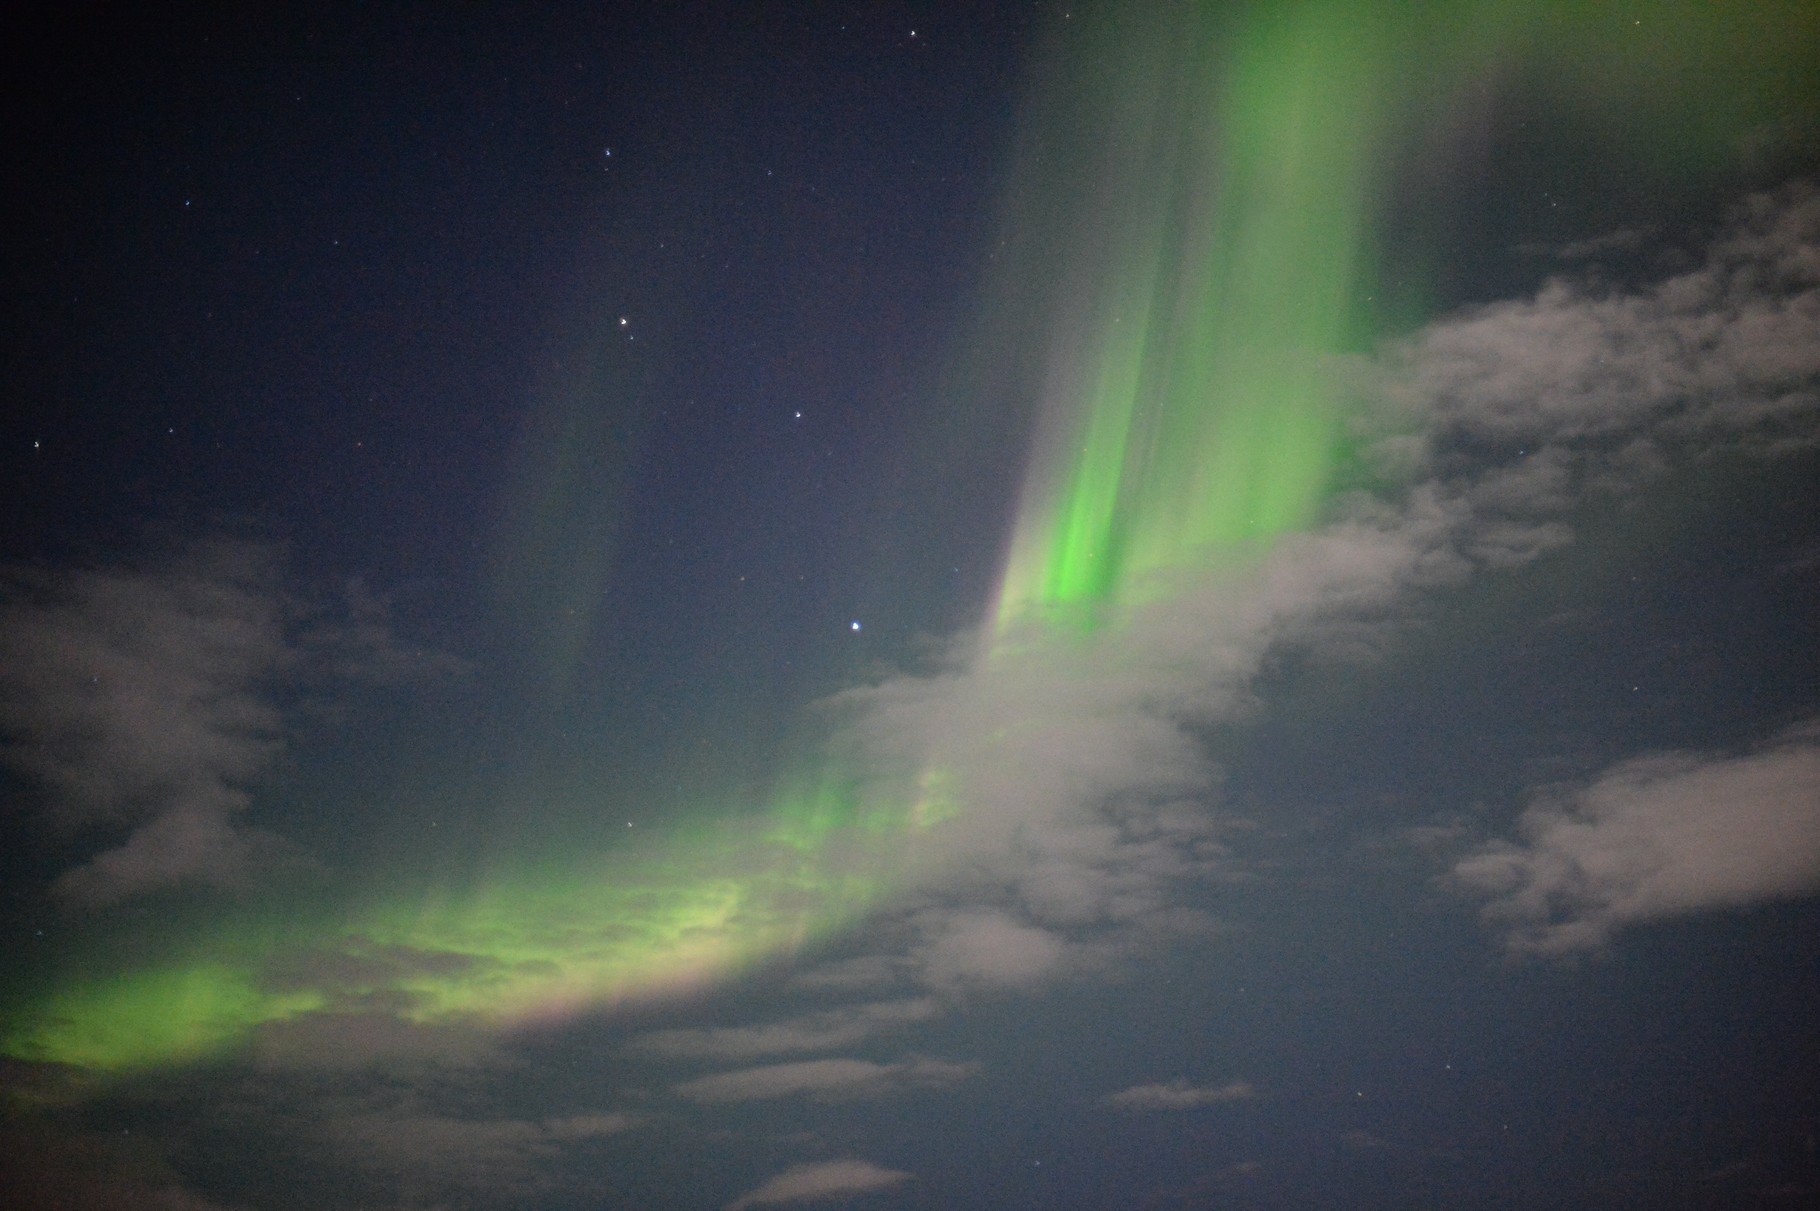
(484, 490)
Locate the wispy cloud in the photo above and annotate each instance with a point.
(1726, 350)
(146, 700)
(823, 1079)
(1656, 837)
(1178, 1095)
(821, 1181)
(138, 700)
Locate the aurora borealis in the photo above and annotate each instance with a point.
(1202, 422)
(1227, 260)
(1122, 605)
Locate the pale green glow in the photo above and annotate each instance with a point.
(532, 941)
(162, 1015)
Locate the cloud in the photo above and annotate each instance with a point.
(147, 699)
(1070, 788)
(1656, 837)
(1178, 1095)
(820, 1181)
(823, 1079)
(137, 699)
(986, 947)
(1728, 349)
(826, 1030)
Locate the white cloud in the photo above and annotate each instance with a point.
(1178, 1095)
(147, 699)
(1067, 786)
(987, 948)
(825, 1079)
(1731, 348)
(1656, 837)
(820, 1181)
(137, 699)
(1081, 793)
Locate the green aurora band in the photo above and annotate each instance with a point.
(1233, 163)
(1190, 415)
(1225, 168)
(536, 941)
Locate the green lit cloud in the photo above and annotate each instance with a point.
(527, 942)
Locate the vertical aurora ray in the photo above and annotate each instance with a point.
(1226, 169)
(1190, 416)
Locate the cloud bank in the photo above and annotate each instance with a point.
(1656, 837)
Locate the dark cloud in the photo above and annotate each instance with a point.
(377, 1037)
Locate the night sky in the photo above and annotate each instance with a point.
(1086, 606)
